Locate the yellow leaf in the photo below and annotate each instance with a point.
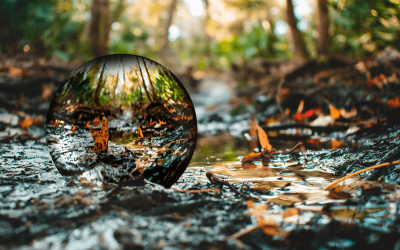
(262, 136)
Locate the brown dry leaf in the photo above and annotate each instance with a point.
(101, 137)
(139, 165)
(211, 108)
(334, 112)
(336, 144)
(262, 136)
(253, 130)
(265, 220)
(47, 90)
(350, 114)
(140, 131)
(96, 121)
(289, 212)
(26, 122)
(15, 71)
(394, 103)
(251, 157)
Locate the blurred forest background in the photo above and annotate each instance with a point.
(199, 34)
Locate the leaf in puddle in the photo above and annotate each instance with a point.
(266, 220)
(251, 157)
(262, 136)
(101, 137)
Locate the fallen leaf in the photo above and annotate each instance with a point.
(101, 137)
(394, 103)
(15, 71)
(140, 131)
(336, 144)
(350, 114)
(96, 121)
(212, 107)
(26, 122)
(139, 165)
(262, 136)
(334, 112)
(251, 157)
(301, 116)
(289, 212)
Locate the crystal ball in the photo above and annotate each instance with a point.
(121, 117)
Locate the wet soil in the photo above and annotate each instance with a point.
(41, 209)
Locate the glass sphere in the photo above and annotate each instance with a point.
(119, 117)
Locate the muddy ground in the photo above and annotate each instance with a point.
(273, 202)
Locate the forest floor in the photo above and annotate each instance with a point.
(345, 113)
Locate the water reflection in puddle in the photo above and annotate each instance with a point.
(282, 180)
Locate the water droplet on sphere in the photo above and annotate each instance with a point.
(118, 117)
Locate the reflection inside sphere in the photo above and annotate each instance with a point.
(118, 117)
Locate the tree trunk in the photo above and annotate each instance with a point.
(165, 47)
(143, 83)
(153, 93)
(99, 85)
(272, 39)
(99, 27)
(296, 41)
(322, 26)
(207, 38)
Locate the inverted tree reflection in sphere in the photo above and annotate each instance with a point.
(121, 116)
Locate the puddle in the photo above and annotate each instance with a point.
(283, 180)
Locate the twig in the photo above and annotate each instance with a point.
(359, 172)
(171, 143)
(278, 97)
(214, 180)
(300, 144)
(197, 191)
(242, 232)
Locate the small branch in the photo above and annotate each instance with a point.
(214, 180)
(359, 172)
(197, 191)
(300, 144)
(171, 143)
(278, 97)
(242, 232)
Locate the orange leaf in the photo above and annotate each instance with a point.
(271, 230)
(251, 156)
(336, 144)
(394, 103)
(27, 122)
(289, 212)
(262, 136)
(96, 121)
(15, 71)
(140, 131)
(334, 112)
(253, 130)
(139, 165)
(101, 137)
